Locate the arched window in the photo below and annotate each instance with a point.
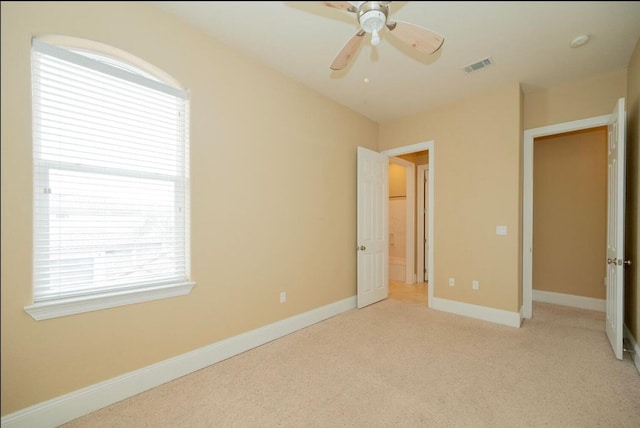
(111, 181)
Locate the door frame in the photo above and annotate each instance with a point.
(430, 147)
(527, 199)
(410, 209)
(420, 206)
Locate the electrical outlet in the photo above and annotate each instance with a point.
(475, 285)
(283, 296)
(452, 282)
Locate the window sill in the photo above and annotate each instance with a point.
(61, 308)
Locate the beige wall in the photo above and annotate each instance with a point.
(273, 177)
(397, 215)
(397, 180)
(477, 169)
(632, 241)
(570, 213)
(576, 100)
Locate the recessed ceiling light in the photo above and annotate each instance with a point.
(579, 41)
(365, 80)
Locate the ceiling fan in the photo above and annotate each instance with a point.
(373, 17)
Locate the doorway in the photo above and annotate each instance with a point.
(527, 238)
(615, 262)
(402, 203)
(570, 218)
(419, 155)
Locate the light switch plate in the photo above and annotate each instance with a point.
(501, 230)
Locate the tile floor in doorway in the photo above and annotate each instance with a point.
(410, 293)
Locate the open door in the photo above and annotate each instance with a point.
(373, 237)
(615, 228)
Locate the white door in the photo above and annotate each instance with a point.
(373, 237)
(615, 227)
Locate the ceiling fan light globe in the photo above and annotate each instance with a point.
(373, 20)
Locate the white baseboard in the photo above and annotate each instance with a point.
(570, 300)
(498, 316)
(57, 411)
(636, 349)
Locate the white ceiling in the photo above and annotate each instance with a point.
(528, 41)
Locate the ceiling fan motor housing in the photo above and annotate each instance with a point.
(372, 16)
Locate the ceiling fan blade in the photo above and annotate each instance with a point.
(423, 40)
(342, 5)
(348, 51)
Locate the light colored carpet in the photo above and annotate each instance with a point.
(397, 363)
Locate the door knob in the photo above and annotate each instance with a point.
(627, 262)
(609, 261)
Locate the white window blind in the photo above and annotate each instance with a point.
(111, 182)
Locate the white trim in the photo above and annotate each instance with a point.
(412, 148)
(420, 268)
(77, 305)
(429, 146)
(57, 411)
(430, 226)
(410, 220)
(498, 316)
(527, 200)
(570, 300)
(636, 349)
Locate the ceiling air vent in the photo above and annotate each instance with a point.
(478, 65)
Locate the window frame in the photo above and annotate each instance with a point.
(58, 307)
